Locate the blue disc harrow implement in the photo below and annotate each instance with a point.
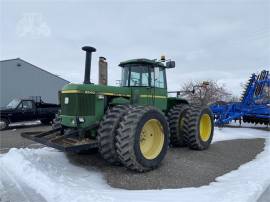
(254, 106)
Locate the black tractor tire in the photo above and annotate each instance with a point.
(199, 126)
(4, 124)
(107, 132)
(176, 117)
(142, 138)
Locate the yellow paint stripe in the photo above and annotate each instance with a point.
(163, 97)
(112, 94)
(78, 91)
(115, 94)
(72, 91)
(91, 92)
(150, 96)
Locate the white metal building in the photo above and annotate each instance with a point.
(20, 79)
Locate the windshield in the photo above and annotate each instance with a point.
(143, 75)
(14, 103)
(137, 76)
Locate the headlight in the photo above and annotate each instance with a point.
(81, 119)
(101, 97)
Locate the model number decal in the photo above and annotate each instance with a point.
(89, 92)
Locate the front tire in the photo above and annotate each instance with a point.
(199, 126)
(142, 139)
(107, 132)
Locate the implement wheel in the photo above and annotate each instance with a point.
(142, 139)
(107, 132)
(176, 116)
(200, 127)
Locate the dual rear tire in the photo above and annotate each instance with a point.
(191, 125)
(176, 120)
(199, 127)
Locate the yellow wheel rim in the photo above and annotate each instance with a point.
(151, 139)
(181, 123)
(205, 127)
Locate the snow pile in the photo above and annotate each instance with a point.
(222, 134)
(50, 174)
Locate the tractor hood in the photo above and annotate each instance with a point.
(97, 89)
(87, 102)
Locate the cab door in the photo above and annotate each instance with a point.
(159, 88)
(17, 115)
(141, 92)
(28, 110)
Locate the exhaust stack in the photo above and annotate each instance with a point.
(88, 58)
(103, 71)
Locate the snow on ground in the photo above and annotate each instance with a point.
(49, 173)
(222, 134)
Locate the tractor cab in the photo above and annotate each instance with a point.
(144, 73)
(147, 80)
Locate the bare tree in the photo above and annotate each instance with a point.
(233, 99)
(205, 92)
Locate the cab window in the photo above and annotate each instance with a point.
(20, 106)
(125, 76)
(135, 75)
(159, 80)
(27, 104)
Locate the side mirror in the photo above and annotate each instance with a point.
(156, 73)
(170, 64)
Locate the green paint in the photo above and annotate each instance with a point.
(119, 101)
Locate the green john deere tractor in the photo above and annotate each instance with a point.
(133, 124)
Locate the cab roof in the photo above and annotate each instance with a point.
(142, 61)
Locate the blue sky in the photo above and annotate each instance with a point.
(220, 40)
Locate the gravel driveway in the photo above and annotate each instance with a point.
(181, 167)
